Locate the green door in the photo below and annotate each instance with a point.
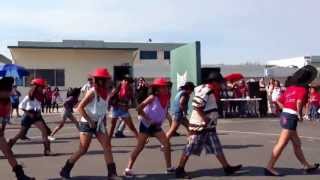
(185, 66)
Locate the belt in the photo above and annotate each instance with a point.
(290, 111)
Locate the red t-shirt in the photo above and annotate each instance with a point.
(315, 98)
(48, 95)
(240, 91)
(290, 97)
(5, 109)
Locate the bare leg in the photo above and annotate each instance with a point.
(56, 129)
(44, 133)
(75, 121)
(278, 148)
(113, 126)
(85, 140)
(161, 136)
(296, 143)
(6, 150)
(137, 150)
(173, 128)
(169, 119)
(223, 160)
(131, 126)
(20, 134)
(105, 142)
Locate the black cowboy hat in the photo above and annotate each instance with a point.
(213, 77)
(188, 85)
(303, 76)
(6, 83)
(128, 78)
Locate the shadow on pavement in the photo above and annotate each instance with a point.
(22, 156)
(259, 171)
(242, 146)
(83, 178)
(38, 142)
(95, 152)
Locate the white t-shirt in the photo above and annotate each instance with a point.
(30, 105)
(275, 94)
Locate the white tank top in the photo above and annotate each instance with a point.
(96, 109)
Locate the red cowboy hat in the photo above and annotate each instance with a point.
(38, 82)
(160, 82)
(101, 73)
(234, 77)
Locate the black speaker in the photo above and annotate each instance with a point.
(205, 71)
(254, 89)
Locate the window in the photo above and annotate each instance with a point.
(148, 55)
(54, 77)
(167, 55)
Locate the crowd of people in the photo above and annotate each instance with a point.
(98, 98)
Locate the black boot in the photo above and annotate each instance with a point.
(112, 170)
(65, 171)
(181, 173)
(232, 169)
(47, 149)
(20, 173)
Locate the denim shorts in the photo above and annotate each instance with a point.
(151, 130)
(289, 121)
(27, 121)
(85, 128)
(119, 113)
(67, 114)
(4, 120)
(179, 117)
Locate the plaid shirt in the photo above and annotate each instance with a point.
(204, 99)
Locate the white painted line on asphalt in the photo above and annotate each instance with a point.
(243, 121)
(264, 134)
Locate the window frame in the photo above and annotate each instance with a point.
(149, 56)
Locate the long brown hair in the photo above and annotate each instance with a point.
(33, 93)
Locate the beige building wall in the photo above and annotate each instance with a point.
(77, 63)
(151, 68)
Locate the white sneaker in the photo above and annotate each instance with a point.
(128, 173)
(51, 138)
(171, 170)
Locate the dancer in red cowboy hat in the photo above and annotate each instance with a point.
(31, 106)
(152, 113)
(92, 109)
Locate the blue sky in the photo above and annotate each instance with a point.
(230, 31)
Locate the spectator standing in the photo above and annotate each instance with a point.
(275, 96)
(48, 99)
(313, 104)
(56, 98)
(270, 88)
(141, 90)
(15, 100)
